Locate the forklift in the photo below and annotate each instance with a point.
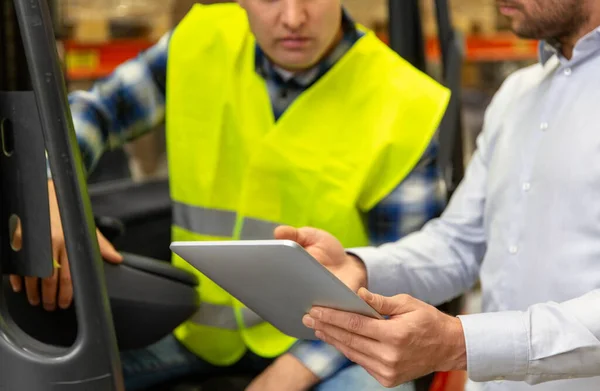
(132, 305)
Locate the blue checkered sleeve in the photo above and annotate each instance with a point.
(415, 201)
(129, 103)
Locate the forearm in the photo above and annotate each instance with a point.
(421, 265)
(547, 342)
(442, 260)
(127, 104)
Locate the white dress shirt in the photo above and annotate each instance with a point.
(526, 221)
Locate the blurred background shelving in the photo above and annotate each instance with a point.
(95, 36)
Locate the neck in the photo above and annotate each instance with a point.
(567, 44)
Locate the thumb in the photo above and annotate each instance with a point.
(396, 305)
(107, 250)
(285, 232)
(303, 236)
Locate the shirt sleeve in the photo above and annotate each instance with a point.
(550, 341)
(127, 104)
(443, 260)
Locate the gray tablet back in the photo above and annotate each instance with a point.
(277, 279)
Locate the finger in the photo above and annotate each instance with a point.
(16, 282)
(65, 292)
(17, 236)
(33, 292)
(367, 346)
(50, 285)
(397, 305)
(375, 368)
(107, 250)
(16, 242)
(49, 289)
(354, 323)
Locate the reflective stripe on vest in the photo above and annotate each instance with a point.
(221, 223)
(204, 221)
(223, 317)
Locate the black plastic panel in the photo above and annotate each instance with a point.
(23, 187)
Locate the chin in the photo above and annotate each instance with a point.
(298, 60)
(519, 28)
(523, 33)
(296, 65)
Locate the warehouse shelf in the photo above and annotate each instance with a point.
(88, 61)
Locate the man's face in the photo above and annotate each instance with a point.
(295, 34)
(545, 19)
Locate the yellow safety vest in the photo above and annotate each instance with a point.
(236, 173)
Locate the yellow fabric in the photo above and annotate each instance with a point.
(339, 149)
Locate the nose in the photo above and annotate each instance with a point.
(294, 14)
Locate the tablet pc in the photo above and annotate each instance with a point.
(277, 279)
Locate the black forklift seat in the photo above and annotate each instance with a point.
(148, 299)
(159, 269)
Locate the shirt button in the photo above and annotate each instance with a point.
(513, 249)
(568, 71)
(544, 125)
(526, 186)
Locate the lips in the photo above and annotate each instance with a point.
(294, 42)
(508, 8)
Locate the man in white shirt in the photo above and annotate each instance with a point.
(525, 221)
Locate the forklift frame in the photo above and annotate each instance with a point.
(35, 118)
(406, 38)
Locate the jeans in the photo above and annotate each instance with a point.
(168, 361)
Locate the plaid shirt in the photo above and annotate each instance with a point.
(131, 102)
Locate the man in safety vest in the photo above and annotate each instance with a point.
(278, 112)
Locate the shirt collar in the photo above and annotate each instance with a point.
(267, 69)
(586, 45)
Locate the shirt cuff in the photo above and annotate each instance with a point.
(497, 346)
(321, 359)
(379, 278)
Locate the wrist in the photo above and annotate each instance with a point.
(361, 270)
(295, 372)
(455, 357)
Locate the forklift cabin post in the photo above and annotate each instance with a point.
(406, 38)
(35, 118)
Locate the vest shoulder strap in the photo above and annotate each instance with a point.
(206, 25)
